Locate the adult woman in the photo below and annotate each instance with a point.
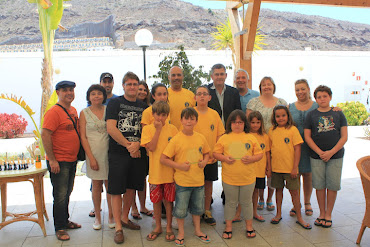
(299, 110)
(265, 104)
(142, 95)
(94, 138)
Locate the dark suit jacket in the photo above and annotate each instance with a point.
(231, 101)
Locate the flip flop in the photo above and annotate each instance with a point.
(259, 219)
(275, 221)
(249, 234)
(260, 205)
(147, 213)
(270, 206)
(154, 236)
(72, 225)
(181, 242)
(169, 235)
(307, 227)
(60, 234)
(136, 216)
(327, 221)
(308, 212)
(229, 234)
(318, 222)
(292, 212)
(204, 239)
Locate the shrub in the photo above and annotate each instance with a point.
(12, 125)
(355, 112)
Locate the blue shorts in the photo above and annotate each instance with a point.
(188, 198)
(326, 175)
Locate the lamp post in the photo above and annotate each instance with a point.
(143, 39)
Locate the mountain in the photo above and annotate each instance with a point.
(174, 22)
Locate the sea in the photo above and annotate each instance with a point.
(346, 72)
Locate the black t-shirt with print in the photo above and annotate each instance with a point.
(128, 115)
(325, 130)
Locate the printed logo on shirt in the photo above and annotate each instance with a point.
(247, 146)
(200, 150)
(212, 127)
(262, 146)
(187, 104)
(326, 124)
(169, 138)
(286, 140)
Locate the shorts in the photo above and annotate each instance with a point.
(188, 198)
(162, 191)
(326, 174)
(211, 172)
(260, 183)
(126, 172)
(277, 181)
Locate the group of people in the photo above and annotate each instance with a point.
(178, 137)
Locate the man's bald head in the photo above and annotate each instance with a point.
(176, 78)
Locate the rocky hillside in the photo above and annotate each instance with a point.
(174, 22)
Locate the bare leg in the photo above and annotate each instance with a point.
(279, 201)
(321, 200)
(307, 190)
(238, 213)
(255, 202)
(169, 207)
(109, 202)
(181, 232)
(261, 195)
(249, 227)
(142, 198)
(96, 197)
(157, 215)
(127, 202)
(196, 222)
(331, 197)
(208, 189)
(117, 210)
(297, 206)
(134, 210)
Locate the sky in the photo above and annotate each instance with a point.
(360, 15)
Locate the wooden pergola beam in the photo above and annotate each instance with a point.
(338, 3)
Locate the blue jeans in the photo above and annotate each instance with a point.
(188, 198)
(62, 187)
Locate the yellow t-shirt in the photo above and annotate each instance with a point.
(210, 125)
(148, 118)
(238, 145)
(158, 173)
(264, 142)
(179, 101)
(188, 148)
(282, 148)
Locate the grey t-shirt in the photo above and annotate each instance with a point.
(325, 130)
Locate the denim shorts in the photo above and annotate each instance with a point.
(326, 175)
(188, 198)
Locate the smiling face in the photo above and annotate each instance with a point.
(131, 87)
(302, 92)
(108, 85)
(142, 93)
(219, 76)
(241, 81)
(96, 97)
(267, 87)
(66, 95)
(255, 125)
(176, 77)
(237, 126)
(160, 94)
(281, 117)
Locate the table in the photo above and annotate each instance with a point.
(35, 176)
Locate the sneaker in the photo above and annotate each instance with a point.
(207, 217)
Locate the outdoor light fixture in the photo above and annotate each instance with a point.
(143, 39)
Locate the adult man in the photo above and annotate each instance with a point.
(179, 98)
(107, 81)
(61, 143)
(126, 159)
(225, 98)
(241, 79)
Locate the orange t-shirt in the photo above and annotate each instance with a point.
(66, 143)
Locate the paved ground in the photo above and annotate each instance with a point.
(347, 216)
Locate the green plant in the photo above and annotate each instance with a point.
(192, 77)
(355, 112)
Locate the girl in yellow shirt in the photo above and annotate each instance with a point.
(238, 152)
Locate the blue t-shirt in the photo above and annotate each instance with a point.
(247, 97)
(325, 130)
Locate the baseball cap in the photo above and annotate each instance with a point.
(64, 84)
(106, 75)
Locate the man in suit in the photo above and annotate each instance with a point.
(225, 98)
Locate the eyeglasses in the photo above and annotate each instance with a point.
(200, 94)
(237, 122)
(131, 84)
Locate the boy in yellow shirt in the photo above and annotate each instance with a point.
(188, 153)
(210, 125)
(155, 138)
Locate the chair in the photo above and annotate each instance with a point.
(363, 165)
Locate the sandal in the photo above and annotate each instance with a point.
(153, 236)
(62, 235)
(308, 212)
(275, 221)
(147, 213)
(270, 206)
(229, 235)
(169, 235)
(292, 212)
(204, 239)
(327, 221)
(260, 205)
(72, 225)
(136, 216)
(307, 227)
(180, 242)
(249, 234)
(259, 218)
(318, 222)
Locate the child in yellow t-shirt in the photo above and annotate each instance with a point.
(210, 125)
(159, 93)
(285, 154)
(155, 138)
(188, 153)
(238, 151)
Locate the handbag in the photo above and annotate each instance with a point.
(81, 153)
